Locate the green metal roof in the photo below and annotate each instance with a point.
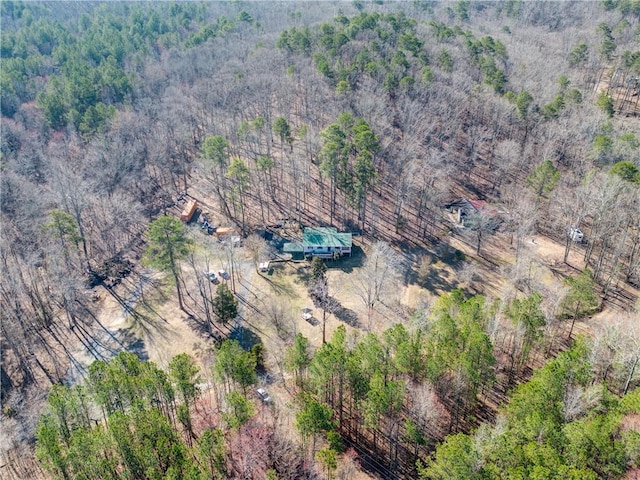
(314, 237)
(293, 247)
(325, 237)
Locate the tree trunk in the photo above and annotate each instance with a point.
(174, 272)
(573, 320)
(567, 249)
(324, 326)
(633, 370)
(332, 201)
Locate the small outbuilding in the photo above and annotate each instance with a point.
(224, 231)
(188, 211)
(465, 212)
(307, 313)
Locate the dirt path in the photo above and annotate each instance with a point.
(160, 334)
(151, 326)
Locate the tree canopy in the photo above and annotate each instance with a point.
(137, 437)
(543, 178)
(550, 429)
(225, 304)
(168, 244)
(368, 117)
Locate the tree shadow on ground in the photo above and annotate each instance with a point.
(146, 325)
(303, 273)
(436, 280)
(143, 292)
(207, 329)
(139, 350)
(105, 346)
(440, 272)
(245, 337)
(132, 343)
(198, 325)
(348, 263)
(450, 255)
(280, 284)
(347, 316)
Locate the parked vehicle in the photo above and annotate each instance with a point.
(576, 235)
(211, 276)
(263, 395)
(223, 274)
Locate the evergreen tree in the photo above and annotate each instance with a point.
(225, 304)
(605, 103)
(282, 129)
(347, 154)
(234, 364)
(184, 373)
(138, 438)
(458, 348)
(313, 418)
(527, 315)
(318, 269)
(239, 410)
(627, 171)
(454, 459)
(210, 452)
(240, 176)
(539, 435)
(298, 357)
(543, 178)
(328, 458)
(581, 296)
(329, 371)
(168, 244)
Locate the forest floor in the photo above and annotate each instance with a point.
(623, 92)
(166, 331)
(286, 284)
(159, 329)
(157, 337)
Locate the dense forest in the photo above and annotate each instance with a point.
(501, 345)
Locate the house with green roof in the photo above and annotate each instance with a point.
(323, 242)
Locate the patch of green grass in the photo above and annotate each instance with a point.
(281, 284)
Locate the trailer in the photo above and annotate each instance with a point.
(188, 211)
(224, 231)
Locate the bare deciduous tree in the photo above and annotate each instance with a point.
(520, 215)
(619, 341)
(378, 277)
(259, 248)
(280, 313)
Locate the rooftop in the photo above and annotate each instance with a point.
(293, 247)
(326, 237)
(319, 237)
(480, 206)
